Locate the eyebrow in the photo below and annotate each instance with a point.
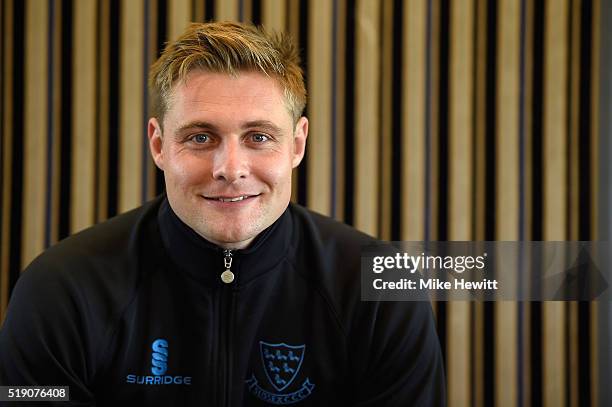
(262, 124)
(197, 125)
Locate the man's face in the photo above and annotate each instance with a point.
(227, 149)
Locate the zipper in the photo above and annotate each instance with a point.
(227, 276)
(226, 328)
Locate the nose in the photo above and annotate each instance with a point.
(230, 162)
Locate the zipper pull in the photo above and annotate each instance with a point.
(227, 276)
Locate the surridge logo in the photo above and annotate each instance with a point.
(159, 366)
(281, 364)
(159, 357)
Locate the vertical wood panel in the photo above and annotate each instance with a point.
(199, 10)
(179, 17)
(274, 14)
(573, 214)
(507, 190)
(245, 10)
(461, 136)
(293, 20)
(460, 177)
(319, 110)
(574, 117)
(479, 210)
(480, 120)
(555, 191)
(131, 128)
(7, 147)
(84, 109)
(56, 124)
(413, 123)
(103, 102)
(432, 167)
(386, 119)
(226, 10)
(367, 114)
(594, 180)
(293, 27)
(152, 16)
(340, 109)
(35, 130)
(525, 375)
(596, 76)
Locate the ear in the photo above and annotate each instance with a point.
(154, 132)
(299, 141)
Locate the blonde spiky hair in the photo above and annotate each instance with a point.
(229, 48)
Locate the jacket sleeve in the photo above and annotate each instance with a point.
(42, 340)
(398, 360)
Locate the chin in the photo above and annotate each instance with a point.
(229, 239)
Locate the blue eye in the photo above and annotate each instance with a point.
(200, 138)
(259, 138)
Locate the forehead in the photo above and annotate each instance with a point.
(219, 96)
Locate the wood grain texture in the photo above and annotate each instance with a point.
(413, 123)
(386, 121)
(85, 109)
(226, 10)
(7, 148)
(341, 107)
(555, 164)
(179, 17)
(367, 123)
(461, 139)
(507, 190)
(131, 127)
(274, 14)
(103, 117)
(35, 131)
(319, 110)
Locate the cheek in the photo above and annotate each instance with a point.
(185, 171)
(276, 172)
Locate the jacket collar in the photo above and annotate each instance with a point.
(204, 260)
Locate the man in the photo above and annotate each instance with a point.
(219, 292)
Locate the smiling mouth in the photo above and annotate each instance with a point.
(230, 199)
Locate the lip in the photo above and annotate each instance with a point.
(230, 201)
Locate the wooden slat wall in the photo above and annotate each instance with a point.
(84, 123)
(35, 130)
(367, 113)
(555, 139)
(479, 188)
(507, 189)
(55, 128)
(429, 119)
(319, 91)
(132, 126)
(414, 120)
(460, 142)
(6, 116)
(103, 106)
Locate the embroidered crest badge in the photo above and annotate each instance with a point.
(281, 364)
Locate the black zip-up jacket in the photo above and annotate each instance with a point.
(134, 310)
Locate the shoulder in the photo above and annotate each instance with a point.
(327, 231)
(327, 253)
(328, 250)
(105, 240)
(97, 269)
(110, 243)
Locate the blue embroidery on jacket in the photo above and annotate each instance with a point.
(281, 363)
